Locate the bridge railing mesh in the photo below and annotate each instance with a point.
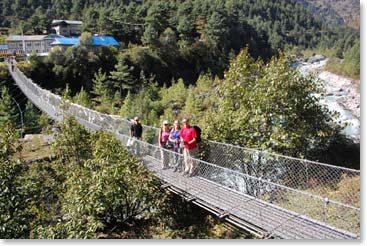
(303, 186)
(303, 204)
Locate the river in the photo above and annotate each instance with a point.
(340, 96)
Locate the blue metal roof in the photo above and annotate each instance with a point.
(65, 41)
(3, 47)
(104, 40)
(96, 41)
(53, 36)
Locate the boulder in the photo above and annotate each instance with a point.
(315, 58)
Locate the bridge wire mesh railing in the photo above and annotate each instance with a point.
(303, 204)
(299, 185)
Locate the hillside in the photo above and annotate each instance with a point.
(336, 11)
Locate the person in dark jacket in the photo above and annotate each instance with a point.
(136, 129)
(136, 132)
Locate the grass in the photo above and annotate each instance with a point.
(347, 192)
(324, 52)
(3, 39)
(35, 149)
(343, 68)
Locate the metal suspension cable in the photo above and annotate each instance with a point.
(268, 186)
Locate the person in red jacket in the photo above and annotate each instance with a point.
(188, 137)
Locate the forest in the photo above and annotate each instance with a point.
(182, 39)
(224, 64)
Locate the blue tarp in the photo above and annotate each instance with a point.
(104, 40)
(65, 41)
(3, 47)
(96, 41)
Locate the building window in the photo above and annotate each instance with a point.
(20, 45)
(29, 44)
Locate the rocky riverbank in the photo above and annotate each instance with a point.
(346, 91)
(341, 94)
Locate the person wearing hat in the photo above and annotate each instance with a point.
(136, 131)
(163, 143)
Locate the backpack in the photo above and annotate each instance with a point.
(198, 134)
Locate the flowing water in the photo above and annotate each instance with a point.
(332, 99)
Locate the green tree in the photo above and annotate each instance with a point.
(352, 61)
(76, 7)
(66, 99)
(121, 77)
(77, 66)
(186, 23)
(31, 117)
(8, 111)
(269, 107)
(44, 122)
(86, 38)
(104, 22)
(127, 108)
(82, 98)
(90, 19)
(150, 36)
(217, 28)
(192, 107)
(156, 22)
(13, 220)
(73, 145)
(108, 190)
(101, 92)
(174, 96)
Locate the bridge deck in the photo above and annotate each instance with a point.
(262, 218)
(257, 216)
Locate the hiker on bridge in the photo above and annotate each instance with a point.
(188, 137)
(136, 131)
(174, 138)
(164, 143)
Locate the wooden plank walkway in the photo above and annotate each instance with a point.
(261, 218)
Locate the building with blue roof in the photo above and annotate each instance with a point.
(26, 44)
(3, 49)
(41, 44)
(65, 42)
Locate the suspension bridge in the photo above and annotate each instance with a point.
(269, 195)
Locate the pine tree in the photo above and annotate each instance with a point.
(8, 111)
(31, 118)
(192, 107)
(116, 102)
(82, 98)
(66, 98)
(122, 79)
(100, 88)
(127, 109)
(44, 122)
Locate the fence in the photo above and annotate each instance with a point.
(299, 185)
